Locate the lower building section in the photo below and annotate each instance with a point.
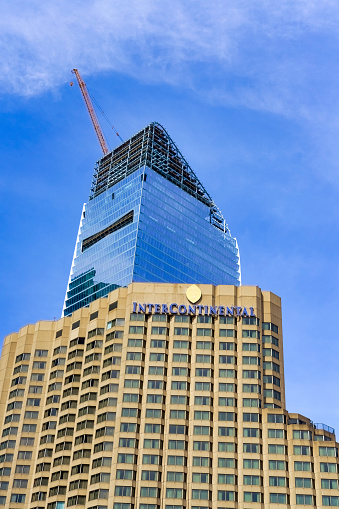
(159, 396)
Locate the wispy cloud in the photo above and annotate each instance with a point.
(256, 53)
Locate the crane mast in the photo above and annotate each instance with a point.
(91, 112)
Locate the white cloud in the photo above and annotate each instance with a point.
(257, 53)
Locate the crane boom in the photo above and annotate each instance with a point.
(91, 112)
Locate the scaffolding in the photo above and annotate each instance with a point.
(154, 148)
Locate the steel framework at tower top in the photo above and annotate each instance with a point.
(154, 148)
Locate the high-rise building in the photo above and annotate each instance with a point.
(148, 219)
(162, 387)
(157, 397)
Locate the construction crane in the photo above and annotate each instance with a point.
(92, 114)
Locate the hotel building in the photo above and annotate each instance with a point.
(160, 394)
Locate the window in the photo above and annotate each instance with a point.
(270, 339)
(201, 495)
(156, 384)
(128, 442)
(202, 430)
(119, 322)
(302, 482)
(153, 428)
(206, 372)
(17, 498)
(179, 386)
(226, 495)
(205, 332)
(252, 496)
(204, 345)
(227, 447)
(302, 435)
(178, 414)
(271, 366)
(252, 480)
(278, 498)
(277, 481)
(276, 449)
(304, 499)
(227, 333)
(159, 331)
(149, 491)
(250, 347)
(132, 384)
(175, 399)
(41, 353)
(226, 416)
(227, 359)
(134, 343)
(276, 418)
(157, 370)
(227, 320)
(150, 443)
(16, 393)
(251, 448)
(249, 417)
(23, 357)
(151, 475)
(201, 446)
(227, 346)
(330, 501)
(270, 352)
(207, 359)
(125, 474)
(184, 345)
(203, 478)
(176, 477)
(251, 432)
(227, 373)
(328, 451)
(270, 326)
(151, 459)
(177, 444)
(304, 450)
(180, 357)
(203, 400)
(328, 467)
(153, 413)
(302, 466)
(95, 332)
(135, 356)
(276, 465)
(77, 341)
(158, 343)
(329, 484)
(20, 380)
(276, 433)
(251, 402)
(202, 415)
(182, 331)
(250, 373)
(31, 415)
(176, 460)
(250, 334)
(226, 431)
(175, 493)
(103, 462)
(133, 370)
(180, 372)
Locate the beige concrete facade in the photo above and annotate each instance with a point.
(164, 409)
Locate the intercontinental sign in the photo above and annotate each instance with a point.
(193, 294)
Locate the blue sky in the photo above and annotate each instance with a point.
(249, 92)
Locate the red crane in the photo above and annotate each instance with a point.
(92, 113)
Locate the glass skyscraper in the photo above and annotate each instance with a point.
(148, 219)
